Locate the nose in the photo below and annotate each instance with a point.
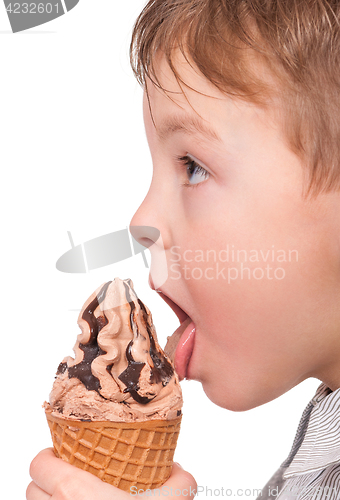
(149, 224)
(149, 228)
(145, 235)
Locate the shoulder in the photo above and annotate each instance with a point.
(320, 485)
(330, 482)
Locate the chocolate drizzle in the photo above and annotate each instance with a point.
(82, 371)
(61, 369)
(130, 377)
(162, 370)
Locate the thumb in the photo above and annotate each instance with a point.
(181, 483)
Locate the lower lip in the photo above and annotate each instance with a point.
(184, 351)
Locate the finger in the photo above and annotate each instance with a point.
(59, 478)
(43, 468)
(49, 472)
(181, 483)
(33, 492)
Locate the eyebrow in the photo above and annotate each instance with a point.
(188, 124)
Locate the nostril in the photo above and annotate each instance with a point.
(146, 242)
(150, 237)
(145, 235)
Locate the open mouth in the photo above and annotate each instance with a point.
(181, 315)
(180, 344)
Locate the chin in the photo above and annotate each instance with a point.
(237, 400)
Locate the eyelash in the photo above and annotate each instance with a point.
(187, 161)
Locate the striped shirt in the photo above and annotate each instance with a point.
(312, 468)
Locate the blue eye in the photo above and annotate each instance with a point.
(195, 172)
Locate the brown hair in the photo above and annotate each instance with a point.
(298, 40)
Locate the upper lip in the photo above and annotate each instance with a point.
(181, 315)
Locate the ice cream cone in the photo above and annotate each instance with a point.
(124, 454)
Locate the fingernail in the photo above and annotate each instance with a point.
(179, 465)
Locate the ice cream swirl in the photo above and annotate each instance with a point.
(119, 371)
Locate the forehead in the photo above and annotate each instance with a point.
(192, 104)
(189, 75)
(188, 90)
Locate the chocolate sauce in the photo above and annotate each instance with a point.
(130, 376)
(162, 370)
(82, 371)
(61, 368)
(109, 368)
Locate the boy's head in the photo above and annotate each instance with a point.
(242, 116)
(259, 50)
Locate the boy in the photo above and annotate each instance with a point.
(241, 111)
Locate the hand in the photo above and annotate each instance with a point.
(54, 479)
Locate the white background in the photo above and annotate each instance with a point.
(74, 158)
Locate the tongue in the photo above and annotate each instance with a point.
(173, 340)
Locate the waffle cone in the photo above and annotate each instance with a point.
(123, 454)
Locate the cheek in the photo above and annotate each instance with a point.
(259, 322)
(260, 273)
